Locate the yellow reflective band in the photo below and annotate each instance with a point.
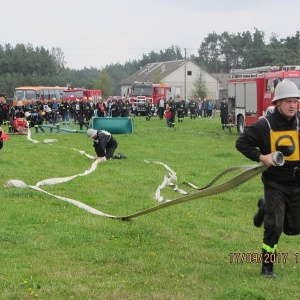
(268, 248)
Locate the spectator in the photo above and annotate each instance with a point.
(161, 106)
(224, 112)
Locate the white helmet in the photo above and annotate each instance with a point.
(286, 89)
(91, 132)
(27, 114)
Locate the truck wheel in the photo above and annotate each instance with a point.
(241, 125)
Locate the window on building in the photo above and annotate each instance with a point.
(177, 93)
(189, 73)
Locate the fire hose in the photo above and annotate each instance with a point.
(249, 172)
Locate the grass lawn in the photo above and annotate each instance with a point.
(51, 249)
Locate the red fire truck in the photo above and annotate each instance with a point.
(141, 91)
(80, 93)
(250, 92)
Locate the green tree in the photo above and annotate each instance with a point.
(104, 83)
(171, 53)
(200, 89)
(59, 57)
(209, 52)
(292, 49)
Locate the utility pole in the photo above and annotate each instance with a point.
(185, 74)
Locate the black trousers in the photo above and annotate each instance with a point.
(110, 148)
(180, 114)
(161, 111)
(282, 211)
(224, 119)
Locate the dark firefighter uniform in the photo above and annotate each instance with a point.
(115, 109)
(180, 110)
(148, 111)
(124, 108)
(105, 144)
(64, 109)
(53, 118)
(172, 108)
(281, 184)
(224, 113)
(36, 120)
(193, 106)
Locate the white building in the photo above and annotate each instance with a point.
(179, 75)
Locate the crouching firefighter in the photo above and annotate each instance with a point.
(279, 210)
(105, 144)
(35, 120)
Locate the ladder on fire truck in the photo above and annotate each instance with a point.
(260, 71)
(252, 72)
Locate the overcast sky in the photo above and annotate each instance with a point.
(95, 33)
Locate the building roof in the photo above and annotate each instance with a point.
(152, 71)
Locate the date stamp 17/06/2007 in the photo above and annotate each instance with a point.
(253, 257)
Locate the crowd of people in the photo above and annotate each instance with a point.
(80, 111)
(192, 108)
(56, 112)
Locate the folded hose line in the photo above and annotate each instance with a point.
(223, 187)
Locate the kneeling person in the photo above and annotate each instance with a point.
(35, 120)
(104, 143)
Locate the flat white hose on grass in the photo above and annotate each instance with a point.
(249, 172)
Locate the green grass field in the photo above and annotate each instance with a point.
(51, 249)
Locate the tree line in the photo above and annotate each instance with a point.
(223, 52)
(218, 53)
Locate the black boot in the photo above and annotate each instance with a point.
(260, 214)
(267, 270)
(122, 155)
(267, 267)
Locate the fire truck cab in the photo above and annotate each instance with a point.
(250, 92)
(140, 92)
